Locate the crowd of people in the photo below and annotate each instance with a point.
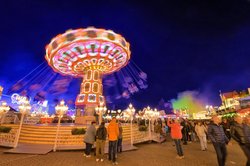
(218, 132)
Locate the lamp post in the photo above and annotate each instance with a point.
(118, 114)
(100, 111)
(209, 109)
(149, 114)
(130, 111)
(156, 115)
(141, 116)
(4, 108)
(61, 109)
(24, 109)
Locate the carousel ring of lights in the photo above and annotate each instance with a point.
(78, 50)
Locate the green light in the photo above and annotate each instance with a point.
(188, 102)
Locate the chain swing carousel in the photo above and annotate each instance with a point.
(89, 54)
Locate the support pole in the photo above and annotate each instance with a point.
(149, 129)
(18, 132)
(131, 130)
(57, 132)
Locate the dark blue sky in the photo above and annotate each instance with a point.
(181, 44)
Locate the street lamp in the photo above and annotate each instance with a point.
(156, 115)
(148, 114)
(130, 111)
(24, 109)
(209, 109)
(61, 109)
(119, 113)
(100, 111)
(140, 115)
(4, 108)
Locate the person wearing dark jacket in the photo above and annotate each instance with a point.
(226, 126)
(101, 135)
(119, 142)
(184, 130)
(241, 134)
(247, 122)
(219, 139)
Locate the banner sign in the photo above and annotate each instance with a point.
(17, 99)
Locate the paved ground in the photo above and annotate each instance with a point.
(147, 155)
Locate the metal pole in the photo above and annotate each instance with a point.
(153, 125)
(131, 129)
(57, 131)
(19, 131)
(149, 128)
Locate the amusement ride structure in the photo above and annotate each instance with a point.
(89, 54)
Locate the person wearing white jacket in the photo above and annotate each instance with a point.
(201, 130)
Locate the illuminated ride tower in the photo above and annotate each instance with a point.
(88, 53)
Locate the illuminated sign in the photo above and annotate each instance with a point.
(17, 99)
(43, 103)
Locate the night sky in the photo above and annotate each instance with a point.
(182, 45)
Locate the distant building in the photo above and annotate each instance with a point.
(245, 102)
(230, 100)
(234, 101)
(1, 91)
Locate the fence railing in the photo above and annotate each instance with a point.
(8, 139)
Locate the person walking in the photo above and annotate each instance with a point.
(201, 133)
(241, 134)
(176, 136)
(89, 138)
(189, 132)
(101, 135)
(219, 139)
(206, 123)
(113, 133)
(226, 126)
(119, 143)
(193, 133)
(184, 131)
